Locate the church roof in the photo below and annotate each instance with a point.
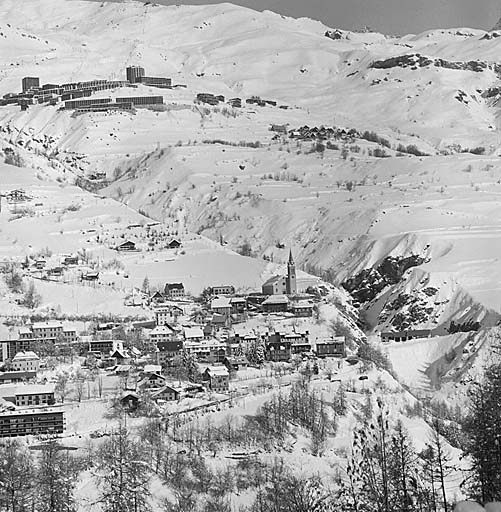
(273, 280)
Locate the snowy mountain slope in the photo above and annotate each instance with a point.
(339, 212)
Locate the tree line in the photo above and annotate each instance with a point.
(384, 473)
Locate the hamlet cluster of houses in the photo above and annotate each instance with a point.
(213, 99)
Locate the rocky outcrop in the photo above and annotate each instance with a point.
(416, 61)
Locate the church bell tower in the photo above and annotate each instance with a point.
(291, 285)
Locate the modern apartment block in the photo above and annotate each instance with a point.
(30, 82)
(134, 74)
(32, 422)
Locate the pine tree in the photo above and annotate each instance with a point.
(259, 354)
(16, 477)
(145, 288)
(190, 364)
(339, 403)
(31, 298)
(403, 471)
(483, 430)
(438, 465)
(56, 476)
(123, 474)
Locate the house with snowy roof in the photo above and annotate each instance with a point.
(174, 290)
(26, 361)
(162, 333)
(193, 333)
(221, 305)
(217, 378)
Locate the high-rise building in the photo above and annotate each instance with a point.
(30, 82)
(134, 74)
(291, 285)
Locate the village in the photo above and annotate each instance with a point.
(193, 351)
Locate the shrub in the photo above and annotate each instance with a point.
(380, 153)
(245, 249)
(374, 354)
(13, 158)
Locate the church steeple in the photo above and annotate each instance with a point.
(290, 283)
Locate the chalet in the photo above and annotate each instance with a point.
(162, 333)
(157, 298)
(333, 347)
(174, 290)
(70, 260)
(16, 196)
(209, 329)
(217, 378)
(222, 290)
(120, 356)
(206, 97)
(217, 321)
(40, 263)
(151, 381)
(221, 305)
(90, 276)
(26, 361)
(193, 333)
(130, 400)
(235, 363)
(118, 353)
(235, 102)
(31, 422)
(191, 390)
(174, 244)
(408, 335)
(276, 304)
(167, 351)
(302, 309)
(279, 128)
(168, 393)
(55, 271)
(127, 246)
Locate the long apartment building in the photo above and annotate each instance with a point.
(29, 395)
(30, 335)
(32, 422)
(123, 103)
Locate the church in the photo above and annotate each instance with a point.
(282, 285)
